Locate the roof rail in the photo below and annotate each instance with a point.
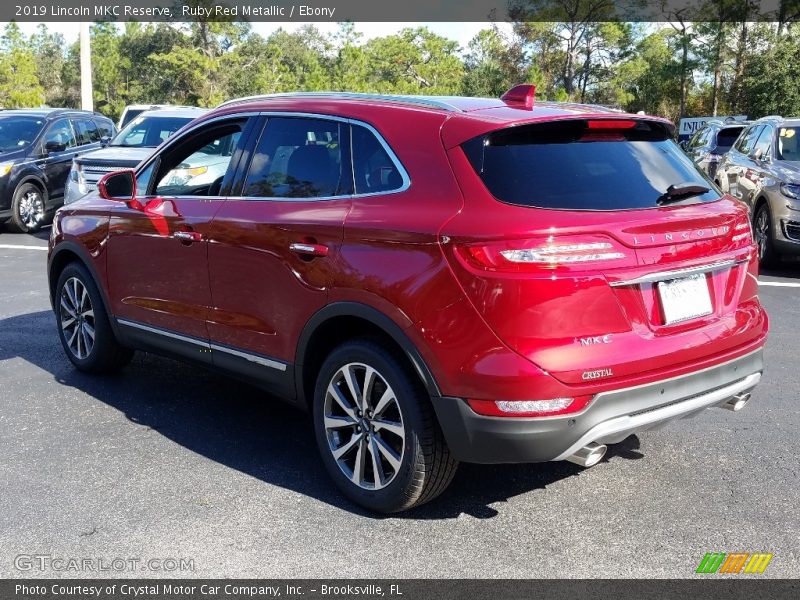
(771, 118)
(429, 101)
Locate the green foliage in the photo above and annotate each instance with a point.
(19, 84)
(707, 58)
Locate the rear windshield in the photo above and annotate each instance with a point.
(726, 138)
(571, 165)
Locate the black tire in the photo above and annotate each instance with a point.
(425, 468)
(104, 354)
(22, 220)
(762, 231)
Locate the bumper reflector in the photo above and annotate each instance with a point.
(528, 408)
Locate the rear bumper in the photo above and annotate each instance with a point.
(610, 418)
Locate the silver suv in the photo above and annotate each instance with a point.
(763, 170)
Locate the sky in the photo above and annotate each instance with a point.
(460, 32)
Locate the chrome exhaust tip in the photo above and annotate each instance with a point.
(589, 455)
(737, 402)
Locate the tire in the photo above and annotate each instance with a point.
(414, 464)
(28, 210)
(762, 232)
(83, 324)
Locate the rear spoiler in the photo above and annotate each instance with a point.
(463, 127)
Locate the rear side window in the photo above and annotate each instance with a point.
(299, 158)
(373, 168)
(105, 128)
(86, 132)
(570, 165)
(748, 139)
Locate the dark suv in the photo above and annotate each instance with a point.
(36, 151)
(763, 170)
(707, 147)
(434, 279)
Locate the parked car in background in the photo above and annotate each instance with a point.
(435, 279)
(130, 112)
(763, 170)
(711, 142)
(36, 151)
(130, 146)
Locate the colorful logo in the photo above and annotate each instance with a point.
(735, 562)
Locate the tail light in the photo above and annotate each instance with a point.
(529, 408)
(742, 231)
(550, 253)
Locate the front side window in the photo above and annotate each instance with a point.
(299, 158)
(198, 165)
(18, 132)
(59, 136)
(584, 165)
(374, 170)
(788, 148)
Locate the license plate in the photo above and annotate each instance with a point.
(685, 298)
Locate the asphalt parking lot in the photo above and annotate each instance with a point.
(166, 460)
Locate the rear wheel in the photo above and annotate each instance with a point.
(27, 208)
(376, 430)
(83, 324)
(762, 231)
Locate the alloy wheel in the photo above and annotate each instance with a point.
(762, 232)
(76, 316)
(364, 426)
(31, 209)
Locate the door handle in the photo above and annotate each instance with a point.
(305, 249)
(188, 236)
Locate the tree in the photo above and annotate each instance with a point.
(19, 83)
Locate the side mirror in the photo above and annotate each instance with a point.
(54, 146)
(119, 186)
(104, 140)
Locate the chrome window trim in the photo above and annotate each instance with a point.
(261, 360)
(666, 275)
(292, 114)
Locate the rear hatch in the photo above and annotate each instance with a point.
(596, 249)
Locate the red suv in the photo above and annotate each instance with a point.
(435, 279)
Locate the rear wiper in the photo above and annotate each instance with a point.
(681, 190)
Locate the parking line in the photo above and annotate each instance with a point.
(778, 284)
(14, 247)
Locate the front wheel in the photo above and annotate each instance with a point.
(27, 209)
(762, 231)
(83, 324)
(376, 430)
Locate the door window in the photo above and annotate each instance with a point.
(61, 134)
(299, 158)
(86, 132)
(374, 169)
(748, 139)
(763, 143)
(198, 164)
